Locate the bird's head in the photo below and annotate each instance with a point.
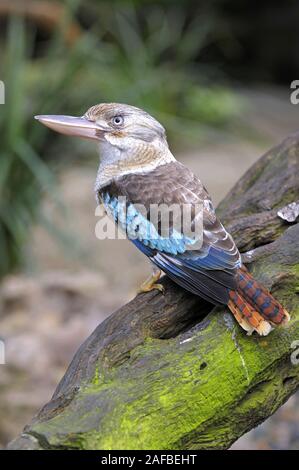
(129, 138)
(118, 124)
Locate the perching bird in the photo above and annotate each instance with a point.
(136, 163)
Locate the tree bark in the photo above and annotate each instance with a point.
(171, 372)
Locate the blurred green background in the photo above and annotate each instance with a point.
(216, 74)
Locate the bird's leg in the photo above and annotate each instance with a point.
(151, 282)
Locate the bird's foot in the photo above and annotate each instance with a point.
(151, 283)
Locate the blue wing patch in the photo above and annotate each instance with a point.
(138, 227)
(208, 272)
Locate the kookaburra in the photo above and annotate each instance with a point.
(137, 164)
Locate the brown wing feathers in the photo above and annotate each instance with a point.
(250, 302)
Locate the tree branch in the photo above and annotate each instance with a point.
(166, 372)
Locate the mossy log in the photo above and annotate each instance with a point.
(171, 372)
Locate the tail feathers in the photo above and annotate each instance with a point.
(260, 299)
(248, 318)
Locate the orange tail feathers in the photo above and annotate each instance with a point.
(254, 307)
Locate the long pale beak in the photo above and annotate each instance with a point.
(75, 126)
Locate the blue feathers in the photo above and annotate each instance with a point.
(146, 238)
(138, 228)
(214, 259)
(205, 264)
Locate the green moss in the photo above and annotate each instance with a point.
(295, 270)
(173, 398)
(161, 397)
(96, 378)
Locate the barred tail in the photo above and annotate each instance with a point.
(253, 306)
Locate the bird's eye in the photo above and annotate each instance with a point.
(118, 120)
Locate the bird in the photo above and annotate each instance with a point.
(138, 167)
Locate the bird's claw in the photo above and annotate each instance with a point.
(151, 284)
(150, 287)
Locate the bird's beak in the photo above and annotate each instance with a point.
(75, 126)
